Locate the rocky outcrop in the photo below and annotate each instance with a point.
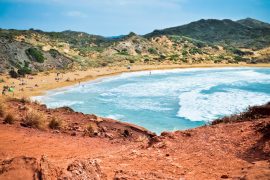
(25, 168)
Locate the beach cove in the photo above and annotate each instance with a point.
(167, 100)
(42, 82)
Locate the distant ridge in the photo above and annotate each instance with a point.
(204, 41)
(253, 23)
(242, 33)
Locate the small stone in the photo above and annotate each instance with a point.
(224, 176)
(108, 135)
(56, 131)
(73, 134)
(243, 177)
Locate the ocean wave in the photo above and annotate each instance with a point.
(55, 103)
(196, 106)
(168, 97)
(116, 116)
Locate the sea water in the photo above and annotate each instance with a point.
(167, 100)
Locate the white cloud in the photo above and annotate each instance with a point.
(76, 14)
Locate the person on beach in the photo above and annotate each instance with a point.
(11, 89)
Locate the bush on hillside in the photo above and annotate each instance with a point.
(184, 52)
(13, 74)
(54, 53)
(195, 51)
(34, 119)
(152, 51)
(35, 55)
(9, 119)
(55, 123)
(24, 70)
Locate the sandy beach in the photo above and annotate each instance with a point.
(33, 85)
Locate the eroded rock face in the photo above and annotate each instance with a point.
(84, 169)
(47, 170)
(124, 175)
(29, 168)
(20, 168)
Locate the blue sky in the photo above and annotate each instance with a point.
(115, 17)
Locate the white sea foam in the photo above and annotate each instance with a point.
(53, 103)
(197, 106)
(162, 72)
(116, 116)
(184, 86)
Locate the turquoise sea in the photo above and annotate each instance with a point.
(167, 100)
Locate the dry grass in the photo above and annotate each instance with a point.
(55, 123)
(9, 119)
(252, 113)
(142, 139)
(91, 130)
(25, 100)
(34, 119)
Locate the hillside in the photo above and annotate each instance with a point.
(246, 33)
(200, 42)
(63, 144)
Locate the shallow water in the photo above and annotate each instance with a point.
(169, 99)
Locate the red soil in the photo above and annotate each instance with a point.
(237, 150)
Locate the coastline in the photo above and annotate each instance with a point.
(38, 84)
(233, 148)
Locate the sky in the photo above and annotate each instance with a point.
(118, 17)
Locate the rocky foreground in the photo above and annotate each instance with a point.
(41, 143)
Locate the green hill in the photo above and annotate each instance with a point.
(203, 41)
(246, 33)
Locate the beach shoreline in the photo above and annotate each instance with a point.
(37, 85)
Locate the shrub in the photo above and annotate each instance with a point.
(55, 123)
(162, 57)
(9, 119)
(13, 74)
(152, 51)
(123, 52)
(146, 60)
(91, 130)
(184, 52)
(35, 54)
(199, 44)
(24, 100)
(195, 51)
(54, 53)
(174, 57)
(221, 57)
(24, 70)
(34, 119)
(138, 51)
(132, 61)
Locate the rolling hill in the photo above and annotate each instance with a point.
(246, 33)
(203, 41)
